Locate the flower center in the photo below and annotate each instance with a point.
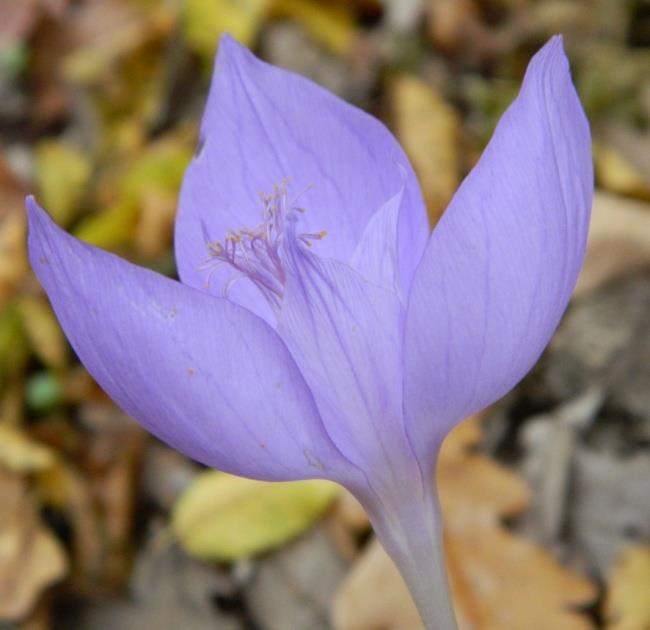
(256, 253)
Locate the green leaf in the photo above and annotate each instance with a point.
(222, 517)
(13, 344)
(43, 392)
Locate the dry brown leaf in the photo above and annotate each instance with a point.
(475, 491)
(374, 596)
(13, 229)
(450, 22)
(31, 558)
(498, 580)
(349, 510)
(155, 224)
(627, 605)
(501, 581)
(105, 32)
(17, 19)
(428, 129)
(619, 240)
(97, 494)
(346, 520)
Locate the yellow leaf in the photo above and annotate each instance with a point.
(428, 129)
(62, 172)
(13, 345)
(331, 24)
(153, 184)
(627, 605)
(616, 174)
(110, 228)
(146, 197)
(43, 331)
(20, 454)
(205, 20)
(223, 517)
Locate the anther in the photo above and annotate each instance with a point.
(255, 253)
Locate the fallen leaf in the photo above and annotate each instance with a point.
(374, 596)
(168, 590)
(617, 174)
(350, 511)
(13, 258)
(17, 20)
(627, 605)
(292, 587)
(498, 580)
(69, 491)
(473, 488)
(619, 240)
(13, 230)
(62, 173)
(153, 184)
(43, 392)
(205, 20)
(475, 491)
(549, 441)
(13, 345)
(223, 517)
(331, 24)
(428, 129)
(450, 22)
(610, 504)
(43, 331)
(501, 581)
(107, 31)
(20, 454)
(111, 227)
(145, 200)
(31, 558)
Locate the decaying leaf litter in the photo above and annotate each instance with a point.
(545, 494)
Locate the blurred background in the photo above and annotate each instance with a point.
(546, 496)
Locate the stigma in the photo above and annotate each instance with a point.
(256, 253)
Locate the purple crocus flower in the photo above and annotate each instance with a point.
(319, 329)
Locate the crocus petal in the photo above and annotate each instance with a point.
(500, 266)
(343, 333)
(262, 125)
(202, 374)
(375, 257)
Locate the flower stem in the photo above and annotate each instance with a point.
(413, 537)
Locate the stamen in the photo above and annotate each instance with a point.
(255, 253)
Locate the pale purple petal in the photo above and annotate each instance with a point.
(343, 333)
(204, 375)
(375, 257)
(500, 266)
(263, 124)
